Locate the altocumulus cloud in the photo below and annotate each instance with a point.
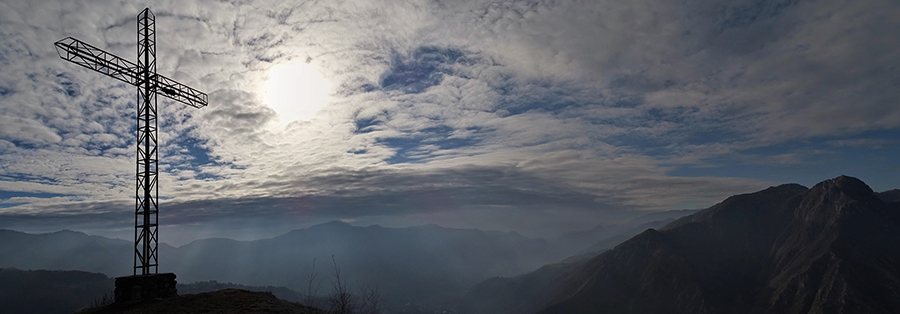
(570, 112)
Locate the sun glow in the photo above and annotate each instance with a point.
(296, 92)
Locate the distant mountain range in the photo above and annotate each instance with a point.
(416, 264)
(425, 264)
(786, 249)
(832, 248)
(65, 250)
(408, 264)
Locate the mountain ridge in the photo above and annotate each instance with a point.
(409, 264)
(889, 196)
(527, 292)
(785, 249)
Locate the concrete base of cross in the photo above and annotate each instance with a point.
(141, 288)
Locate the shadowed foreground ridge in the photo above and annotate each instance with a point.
(228, 301)
(787, 249)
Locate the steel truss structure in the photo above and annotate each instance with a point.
(149, 84)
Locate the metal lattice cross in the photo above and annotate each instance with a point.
(149, 84)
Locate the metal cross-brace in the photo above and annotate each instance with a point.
(83, 54)
(149, 84)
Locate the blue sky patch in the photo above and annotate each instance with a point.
(868, 156)
(426, 67)
(68, 85)
(197, 156)
(422, 145)
(739, 16)
(6, 195)
(366, 125)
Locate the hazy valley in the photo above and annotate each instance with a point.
(424, 267)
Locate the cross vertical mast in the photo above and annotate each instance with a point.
(146, 199)
(149, 84)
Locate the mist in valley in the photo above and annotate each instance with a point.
(426, 267)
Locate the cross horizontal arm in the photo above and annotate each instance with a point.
(83, 54)
(88, 56)
(180, 92)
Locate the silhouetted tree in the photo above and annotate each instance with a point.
(103, 300)
(371, 299)
(312, 288)
(342, 299)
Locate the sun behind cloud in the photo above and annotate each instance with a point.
(296, 91)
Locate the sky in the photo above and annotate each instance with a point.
(539, 117)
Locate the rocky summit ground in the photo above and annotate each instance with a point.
(223, 301)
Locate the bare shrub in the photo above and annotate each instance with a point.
(371, 299)
(312, 288)
(103, 300)
(342, 300)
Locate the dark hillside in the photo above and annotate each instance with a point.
(228, 301)
(65, 250)
(520, 294)
(828, 249)
(47, 292)
(891, 196)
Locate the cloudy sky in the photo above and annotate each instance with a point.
(537, 116)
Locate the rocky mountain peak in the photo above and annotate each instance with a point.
(786, 249)
(843, 197)
(843, 187)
